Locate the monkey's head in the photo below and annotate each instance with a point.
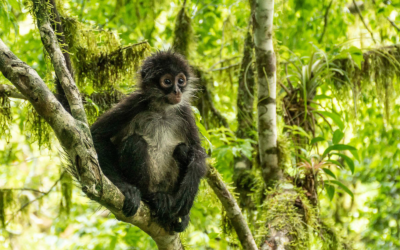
(166, 76)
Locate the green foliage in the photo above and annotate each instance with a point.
(99, 59)
(342, 86)
(66, 193)
(5, 116)
(38, 129)
(183, 32)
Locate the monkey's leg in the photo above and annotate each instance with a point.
(162, 203)
(181, 224)
(108, 159)
(133, 158)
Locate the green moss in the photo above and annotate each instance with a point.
(183, 32)
(38, 129)
(5, 117)
(98, 58)
(280, 212)
(66, 192)
(287, 209)
(379, 72)
(6, 201)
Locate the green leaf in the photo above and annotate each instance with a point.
(337, 136)
(212, 235)
(335, 118)
(335, 163)
(203, 131)
(355, 154)
(348, 160)
(88, 100)
(330, 190)
(329, 172)
(317, 139)
(338, 147)
(357, 56)
(346, 189)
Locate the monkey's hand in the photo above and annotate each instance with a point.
(180, 224)
(183, 155)
(161, 204)
(132, 199)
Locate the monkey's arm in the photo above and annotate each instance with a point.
(195, 167)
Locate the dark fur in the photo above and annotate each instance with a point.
(143, 126)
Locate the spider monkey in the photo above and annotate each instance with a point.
(148, 144)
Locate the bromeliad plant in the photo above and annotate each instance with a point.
(314, 172)
(303, 78)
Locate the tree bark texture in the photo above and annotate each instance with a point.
(266, 106)
(232, 209)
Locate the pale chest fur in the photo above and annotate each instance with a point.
(162, 133)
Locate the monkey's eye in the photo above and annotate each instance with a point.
(167, 82)
(181, 81)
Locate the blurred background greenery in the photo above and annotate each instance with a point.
(347, 69)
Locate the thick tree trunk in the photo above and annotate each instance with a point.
(266, 69)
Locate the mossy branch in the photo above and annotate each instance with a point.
(50, 42)
(232, 209)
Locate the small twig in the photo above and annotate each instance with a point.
(227, 67)
(22, 189)
(218, 114)
(323, 117)
(362, 19)
(325, 21)
(38, 198)
(284, 87)
(222, 61)
(393, 24)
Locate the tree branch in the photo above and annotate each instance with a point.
(325, 21)
(363, 21)
(232, 209)
(393, 24)
(11, 91)
(51, 45)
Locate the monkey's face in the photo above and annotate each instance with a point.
(173, 87)
(166, 78)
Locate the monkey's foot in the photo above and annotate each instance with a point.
(181, 224)
(132, 200)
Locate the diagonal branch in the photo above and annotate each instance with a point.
(393, 24)
(49, 40)
(363, 21)
(325, 22)
(232, 209)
